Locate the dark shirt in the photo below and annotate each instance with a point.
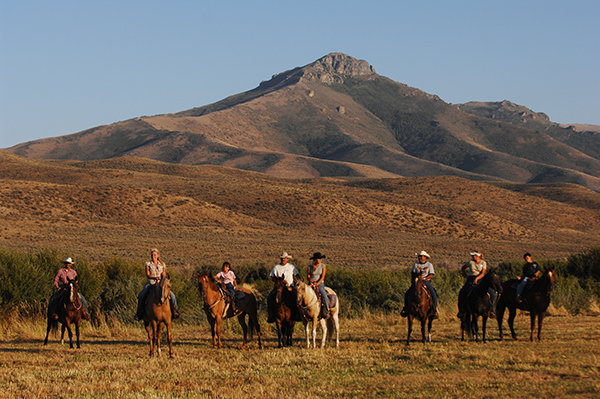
(530, 269)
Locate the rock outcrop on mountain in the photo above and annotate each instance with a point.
(337, 117)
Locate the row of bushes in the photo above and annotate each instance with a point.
(111, 287)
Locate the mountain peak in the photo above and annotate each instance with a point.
(333, 67)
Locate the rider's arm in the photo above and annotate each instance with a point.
(479, 277)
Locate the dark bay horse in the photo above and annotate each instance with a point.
(70, 311)
(420, 307)
(309, 306)
(284, 317)
(158, 312)
(478, 303)
(535, 300)
(217, 309)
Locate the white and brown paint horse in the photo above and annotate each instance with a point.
(310, 309)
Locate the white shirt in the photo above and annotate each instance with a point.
(287, 272)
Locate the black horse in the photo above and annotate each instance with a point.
(478, 303)
(536, 300)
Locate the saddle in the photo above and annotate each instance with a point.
(331, 298)
(527, 287)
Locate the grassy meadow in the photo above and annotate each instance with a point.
(373, 361)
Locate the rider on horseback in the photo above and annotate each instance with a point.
(287, 271)
(531, 271)
(155, 271)
(229, 285)
(425, 268)
(474, 270)
(63, 275)
(316, 276)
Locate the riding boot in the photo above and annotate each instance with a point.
(174, 312)
(435, 314)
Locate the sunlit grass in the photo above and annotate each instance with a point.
(373, 361)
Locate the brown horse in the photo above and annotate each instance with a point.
(217, 309)
(70, 311)
(284, 315)
(310, 309)
(420, 307)
(158, 312)
(536, 301)
(478, 303)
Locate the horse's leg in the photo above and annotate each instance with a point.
(540, 320)
(218, 330)
(48, 331)
(429, 324)
(512, 313)
(307, 332)
(409, 318)
(532, 326)
(253, 317)
(423, 329)
(483, 326)
(157, 338)
(242, 320)
(279, 325)
(169, 339)
(324, 329)
(500, 308)
(474, 327)
(315, 323)
(150, 336)
(77, 323)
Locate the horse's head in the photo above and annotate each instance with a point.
(165, 287)
(280, 287)
(549, 279)
(204, 281)
(494, 281)
(72, 287)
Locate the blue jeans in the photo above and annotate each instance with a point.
(521, 286)
(324, 299)
(231, 290)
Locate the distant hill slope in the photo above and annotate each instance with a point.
(207, 214)
(337, 117)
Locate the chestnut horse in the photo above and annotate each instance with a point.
(283, 311)
(536, 300)
(420, 307)
(310, 309)
(217, 309)
(158, 312)
(478, 303)
(70, 311)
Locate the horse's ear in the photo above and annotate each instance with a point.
(169, 276)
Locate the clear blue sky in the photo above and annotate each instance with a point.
(66, 66)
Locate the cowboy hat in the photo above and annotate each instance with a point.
(317, 255)
(68, 260)
(423, 253)
(285, 255)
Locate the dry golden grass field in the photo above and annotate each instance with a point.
(372, 361)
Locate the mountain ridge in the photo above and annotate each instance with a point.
(338, 117)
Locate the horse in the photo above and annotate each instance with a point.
(70, 311)
(283, 311)
(535, 300)
(420, 307)
(478, 303)
(310, 309)
(217, 309)
(158, 312)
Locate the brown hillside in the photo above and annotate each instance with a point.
(336, 117)
(207, 214)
